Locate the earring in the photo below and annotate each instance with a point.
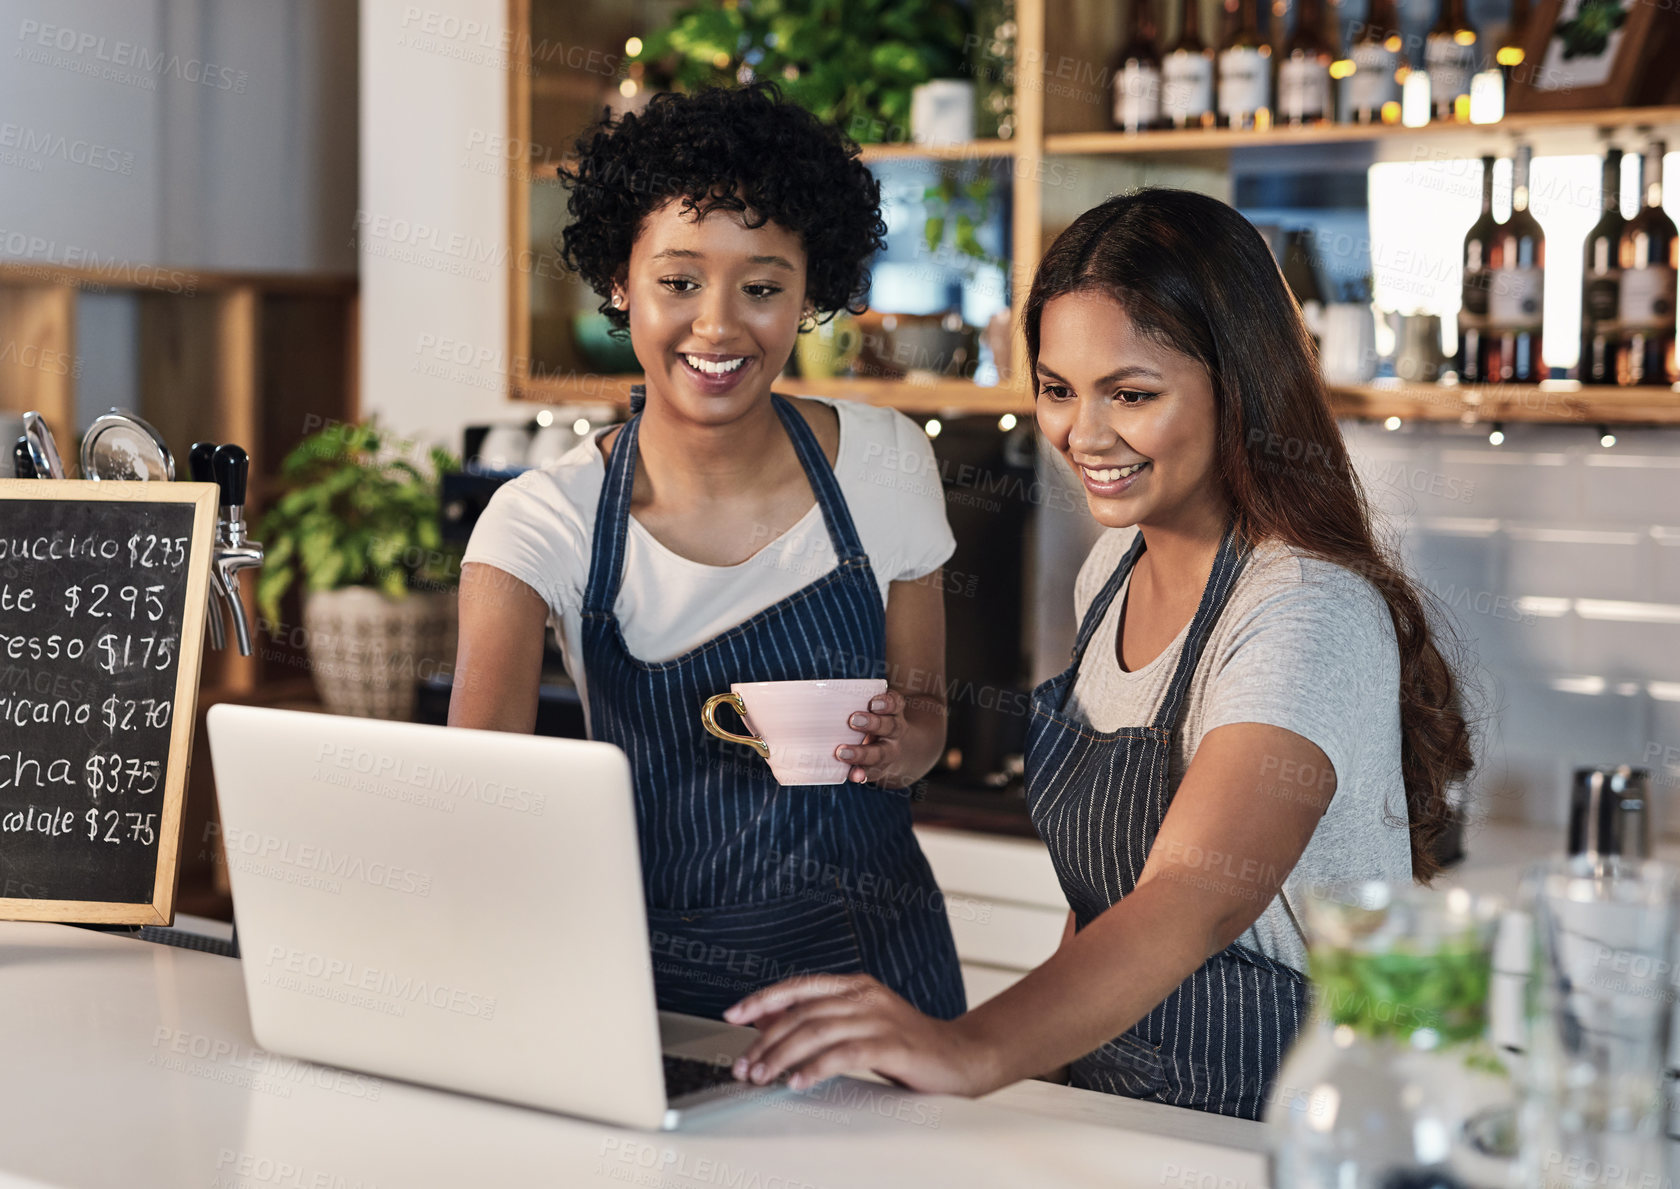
(617, 302)
(808, 320)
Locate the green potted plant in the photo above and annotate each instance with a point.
(854, 63)
(359, 526)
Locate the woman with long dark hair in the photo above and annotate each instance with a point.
(1257, 704)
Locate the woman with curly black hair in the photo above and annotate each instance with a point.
(728, 534)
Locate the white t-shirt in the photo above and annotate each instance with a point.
(1302, 644)
(539, 527)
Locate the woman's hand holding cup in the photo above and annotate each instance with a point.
(800, 727)
(877, 757)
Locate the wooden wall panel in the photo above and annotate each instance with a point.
(198, 381)
(38, 361)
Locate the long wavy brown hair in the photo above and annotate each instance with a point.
(1196, 276)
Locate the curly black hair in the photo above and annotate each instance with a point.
(744, 149)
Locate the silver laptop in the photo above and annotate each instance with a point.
(458, 908)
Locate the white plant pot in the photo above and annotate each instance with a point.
(368, 650)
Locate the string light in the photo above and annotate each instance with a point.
(632, 46)
(1605, 437)
(933, 427)
(580, 426)
(1497, 437)
(1006, 422)
(1392, 424)
(545, 417)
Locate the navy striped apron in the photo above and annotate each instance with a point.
(1098, 799)
(749, 882)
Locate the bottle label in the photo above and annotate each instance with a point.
(1648, 299)
(1372, 82)
(1515, 298)
(1303, 89)
(1451, 67)
(1137, 96)
(1601, 298)
(1473, 300)
(1245, 83)
(1186, 86)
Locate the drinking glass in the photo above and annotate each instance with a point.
(1599, 1013)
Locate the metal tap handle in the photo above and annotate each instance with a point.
(233, 467)
(200, 462)
(229, 561)
(234, 553)
(201, 465)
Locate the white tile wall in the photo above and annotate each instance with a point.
(1558, 561)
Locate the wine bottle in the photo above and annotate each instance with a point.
(1137, 74)
(1601, 281)
(1452, 54)
(1473, 302)
(1650, 252)
(1516, 294)
(1187, 74)
(1245, 68)
(1304, 68)
(1374, 84)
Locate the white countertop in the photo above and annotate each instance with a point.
(132, 1064)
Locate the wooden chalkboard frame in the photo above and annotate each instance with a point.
(205, 498)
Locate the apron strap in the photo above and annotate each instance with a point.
(612, 517)
(842, 533)
(1227, 566)
(612, 509)
(1099, 605)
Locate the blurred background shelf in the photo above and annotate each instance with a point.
(924, 395)
(1555, 402)
(968, 150)
(1058, 158)
(1549, 132)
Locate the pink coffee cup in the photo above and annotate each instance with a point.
(796, 725)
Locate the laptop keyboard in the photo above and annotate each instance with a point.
(685, 1075)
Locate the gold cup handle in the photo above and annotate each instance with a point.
(708, 718)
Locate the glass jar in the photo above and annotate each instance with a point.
(1394, 1062)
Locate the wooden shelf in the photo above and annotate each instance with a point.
(968, 150)
(1553, 131)
(1558, 402)
(916, 394)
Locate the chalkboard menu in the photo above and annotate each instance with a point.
(103, 589)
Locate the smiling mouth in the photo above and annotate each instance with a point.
(1111, 474)
(720, 365)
